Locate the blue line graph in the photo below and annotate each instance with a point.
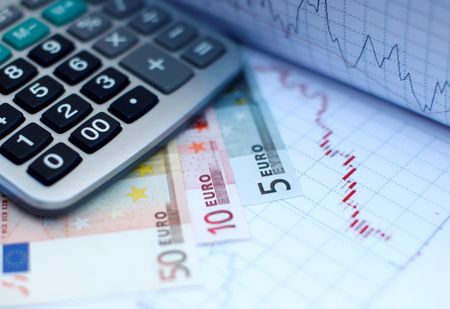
(394, 53)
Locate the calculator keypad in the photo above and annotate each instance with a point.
(79, 127)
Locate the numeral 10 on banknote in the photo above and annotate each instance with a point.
(216, 218)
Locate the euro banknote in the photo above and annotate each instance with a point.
(134, 236)
(213, 200)
(259, 159)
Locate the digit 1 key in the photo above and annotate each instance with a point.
(26, 143)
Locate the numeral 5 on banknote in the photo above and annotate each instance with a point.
(258, 157)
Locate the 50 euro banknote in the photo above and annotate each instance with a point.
(134, 236)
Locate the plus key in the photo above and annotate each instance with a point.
(10, 118)
(157, 68)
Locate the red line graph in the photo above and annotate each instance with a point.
(349, 165)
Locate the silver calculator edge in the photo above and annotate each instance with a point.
(132, 144)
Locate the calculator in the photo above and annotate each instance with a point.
(90, 87)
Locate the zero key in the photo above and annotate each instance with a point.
(157, 68)
(54, 164)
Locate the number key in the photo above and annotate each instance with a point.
(10, 118)
(54, 164)
(39, 94)
(26, 143)
(66, 114)
(15, 74)
(95, 133)
(51, 50)
(77, 68)
(105, 85)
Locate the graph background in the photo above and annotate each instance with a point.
(396, 49)
(302, 253)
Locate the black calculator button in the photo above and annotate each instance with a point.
(9, 15)
(15, 75)
(51, 50)
(54, 164)
(157, 68)
(89, 26)
(39, 94)
(34, 4)
(66, 114)
(204, 52)
(77, 67)
(10, 118)
(95, 133)
(150, 20)
(105, 85)
(26, 143)
(134, 104)
(176, 36)
(123, 8)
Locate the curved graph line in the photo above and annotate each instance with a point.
(288, 28)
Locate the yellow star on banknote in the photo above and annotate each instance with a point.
(144, 169)
(137, 193)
